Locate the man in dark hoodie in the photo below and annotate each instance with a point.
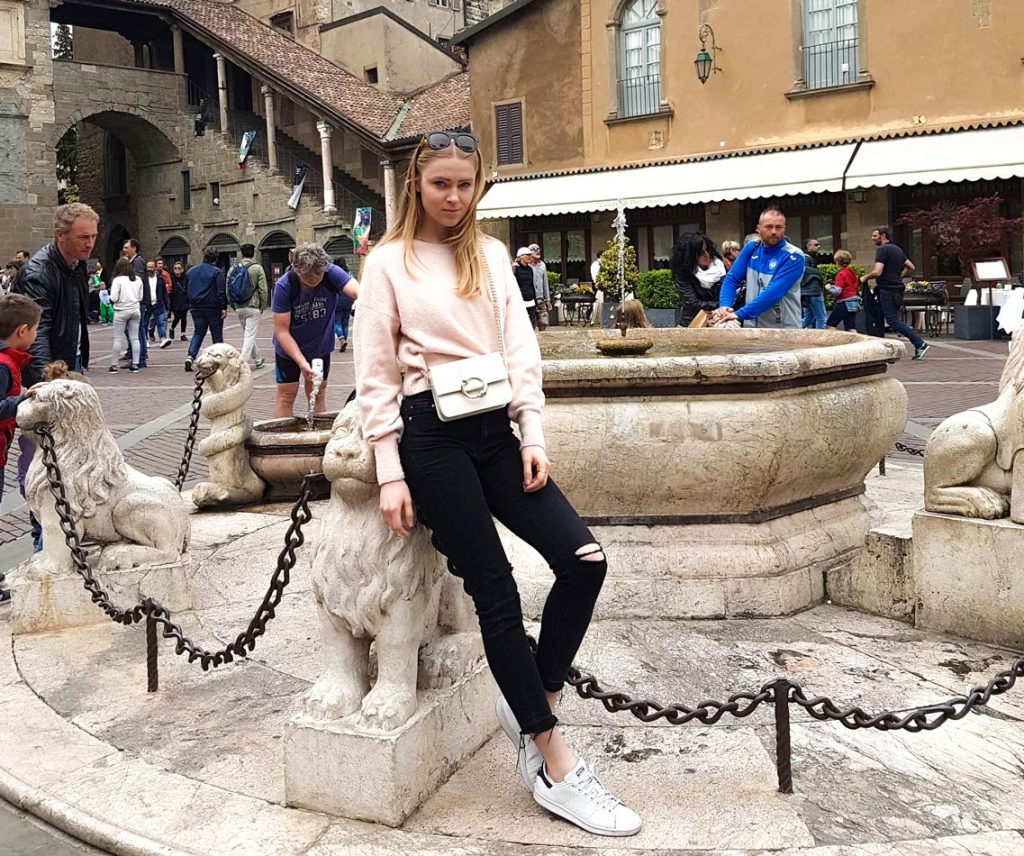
(208, 301)
(812, 294)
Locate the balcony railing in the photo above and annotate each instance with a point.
(639, 96)
(830, 64)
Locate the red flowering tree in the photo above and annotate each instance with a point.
(966, 232)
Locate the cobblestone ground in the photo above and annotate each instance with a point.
(140, 408)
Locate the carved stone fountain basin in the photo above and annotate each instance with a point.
(282, 451)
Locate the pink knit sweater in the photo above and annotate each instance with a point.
(413, 319)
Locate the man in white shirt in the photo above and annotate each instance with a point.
(154, 305)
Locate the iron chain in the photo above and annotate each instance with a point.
(910, 450)
(193, 426)
(151, 609)
(923, 718)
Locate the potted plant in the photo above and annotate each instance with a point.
(656, 290)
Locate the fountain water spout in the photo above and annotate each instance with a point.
(318, 379)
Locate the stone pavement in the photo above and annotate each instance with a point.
(196, 768)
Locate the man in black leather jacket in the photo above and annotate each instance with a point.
(55, 278)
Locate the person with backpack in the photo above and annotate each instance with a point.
(304, 304)
(247, 295)
(208, 300)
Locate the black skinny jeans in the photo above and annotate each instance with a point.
(459, 474)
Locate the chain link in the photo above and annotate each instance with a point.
(193, 426)
(910, 450)
(151, 609)
(923, 718)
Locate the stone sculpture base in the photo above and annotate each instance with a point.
(383, 776)
(55, 603)
(970, 577)
(710, 570)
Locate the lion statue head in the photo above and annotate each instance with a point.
(86, 450)
(221, 365)
(348, 459)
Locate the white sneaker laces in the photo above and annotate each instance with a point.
(591, 787)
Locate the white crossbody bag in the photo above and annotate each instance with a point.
(476, 384)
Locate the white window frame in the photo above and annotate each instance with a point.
(12, 32)
(643, 99)
(831, 41)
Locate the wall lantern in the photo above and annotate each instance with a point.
(859, 196)
(706, 63)
(714, 208)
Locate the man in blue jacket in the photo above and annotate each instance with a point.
(208, 301)
(772, 270)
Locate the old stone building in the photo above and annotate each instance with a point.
(849, 112)
(305, 19)
(141, 74)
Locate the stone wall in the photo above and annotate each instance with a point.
(28, 185)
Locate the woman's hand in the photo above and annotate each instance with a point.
(396, 507)
(536, 467)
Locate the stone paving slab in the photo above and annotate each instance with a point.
(197, 768)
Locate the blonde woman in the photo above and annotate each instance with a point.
(425, 301)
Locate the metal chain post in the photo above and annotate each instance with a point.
(783, 749)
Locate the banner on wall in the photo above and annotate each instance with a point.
(298, 180)
(361, 230)
(243, 149)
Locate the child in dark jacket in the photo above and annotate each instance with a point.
(19, 322)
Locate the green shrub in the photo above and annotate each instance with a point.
(656, 289)
(607, 276)
(554, 281)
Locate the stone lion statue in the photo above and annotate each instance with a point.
(371, 586)
(974, 462)
(228, 388)
(137, 519)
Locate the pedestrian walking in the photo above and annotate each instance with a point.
(343, 314)
(106, 306)
(154, 306)
(523, 272)
(304, 304)
(847, 303)
(812, 292)
(208, 302)
(771, 269)
(891, 265)
(179, 302)
(436, 291)
(541, 288)
(247, 295)
(126, 297)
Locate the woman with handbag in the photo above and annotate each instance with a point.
(438, 298)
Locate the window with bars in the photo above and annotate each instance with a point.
(830, 48)
(508, 133)
(640, 59)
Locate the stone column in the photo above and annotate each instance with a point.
(138, 54)
(327, 164)
(179, 49)
(268, 109)
(222, 91)
(390, 196)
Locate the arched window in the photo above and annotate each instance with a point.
(640, 59)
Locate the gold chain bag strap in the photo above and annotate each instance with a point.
(476, 384)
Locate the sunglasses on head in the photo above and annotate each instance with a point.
(442, 139)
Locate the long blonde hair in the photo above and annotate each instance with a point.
(466, 239)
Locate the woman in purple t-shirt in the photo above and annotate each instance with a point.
(303, 304)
